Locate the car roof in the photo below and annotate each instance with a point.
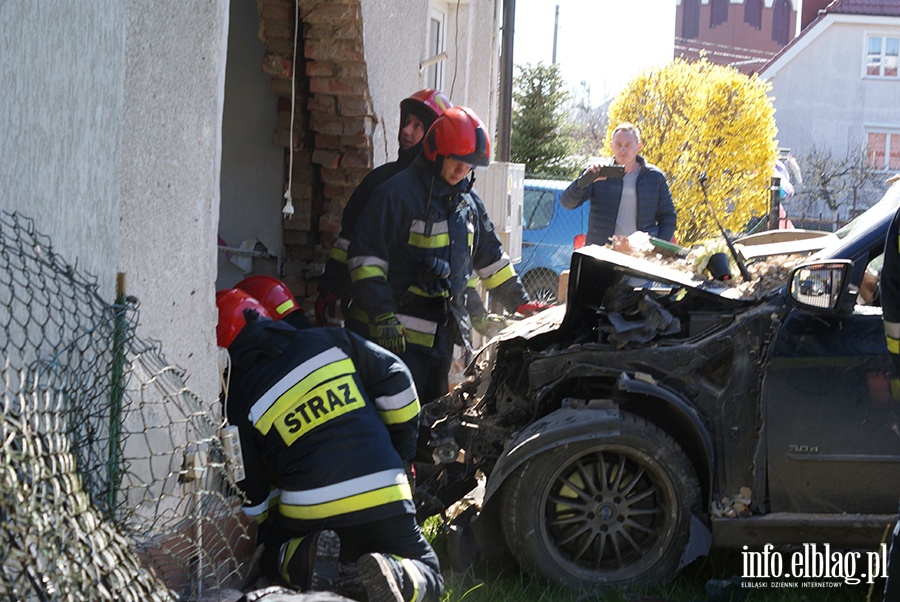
(547, 184)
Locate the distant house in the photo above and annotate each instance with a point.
(835, 87)
(740, 33)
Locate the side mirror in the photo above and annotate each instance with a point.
(819, 286)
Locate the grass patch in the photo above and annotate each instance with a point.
(514, 585)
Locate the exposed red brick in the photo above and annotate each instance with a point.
(323, 103)
(326, 158)
(330, 222)
(280, 11)
(329, 13)
(278, 30)
(298, 221)
(336, 50)
(353, 106)
(352, 70)
(355, 159)
(277, 66)
(320, 69)
(329, 142)
(281, 87)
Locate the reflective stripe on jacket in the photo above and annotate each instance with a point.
(413, 216)
(328, 421)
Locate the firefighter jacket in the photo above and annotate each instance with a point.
(336, 279)
(415, 216)
(890, 291)
(326, 421)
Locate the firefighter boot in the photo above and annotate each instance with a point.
(391, 579)
(311, 562)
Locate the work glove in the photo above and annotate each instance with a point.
(531, 308)
(388, 332)
(489, 325)
(434, 275)
(326, 309)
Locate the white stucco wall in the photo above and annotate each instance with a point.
(393, 67)
(174, 89)
(62, 67)
(821, 94)
(252, 166)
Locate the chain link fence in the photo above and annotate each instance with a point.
(549, 234)
(113, 483)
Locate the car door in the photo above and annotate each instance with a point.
(831, 423)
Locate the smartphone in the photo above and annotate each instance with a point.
(612, 171)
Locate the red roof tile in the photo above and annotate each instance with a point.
(889, 8)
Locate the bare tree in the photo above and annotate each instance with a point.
(846, 184)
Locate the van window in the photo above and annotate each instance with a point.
(537, 209)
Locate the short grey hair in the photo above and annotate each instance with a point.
(628, 127)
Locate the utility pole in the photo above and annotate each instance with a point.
(504, 120)
(555, 32)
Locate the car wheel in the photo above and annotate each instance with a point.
(542, 286)
(615, 510)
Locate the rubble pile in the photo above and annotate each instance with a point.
(767, 273)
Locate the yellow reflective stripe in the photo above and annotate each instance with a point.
(403, 414)
(285, 306)
(421, 292)
(364, 492)
(287, 552)
(429, 242)
(472, 282)
(319, 406)
(420, 338)
(398, 408)
(418, 330)
(892, 329)
(893, 345)
(353, 503)
(296, 394)
(414, 574)
(491, 269)
(367, 271)
(499, 278)
(338, 254)
(289, 380)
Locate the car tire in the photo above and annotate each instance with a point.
(542, 286)
(638, 490)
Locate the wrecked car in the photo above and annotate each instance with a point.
(659, 414)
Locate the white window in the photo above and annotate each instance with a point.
(882, 53)
(437, 32)
(884, 149)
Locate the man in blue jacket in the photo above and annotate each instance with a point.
(622, 206)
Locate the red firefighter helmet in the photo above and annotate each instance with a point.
(435, 101)
(231, 304)
(274, 294)
(460, 134)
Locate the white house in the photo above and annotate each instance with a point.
(836, 85)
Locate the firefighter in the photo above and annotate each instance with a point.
(418, 242)
(890, 307)
(417, 113)
(277, 298)
(327, 424)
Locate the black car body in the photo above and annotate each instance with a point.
(658, 414)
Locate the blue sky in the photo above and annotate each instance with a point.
(602, 42)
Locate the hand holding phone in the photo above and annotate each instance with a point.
(594, 172)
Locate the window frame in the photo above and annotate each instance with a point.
(883, 36)
(434, 74)
(891, 147)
